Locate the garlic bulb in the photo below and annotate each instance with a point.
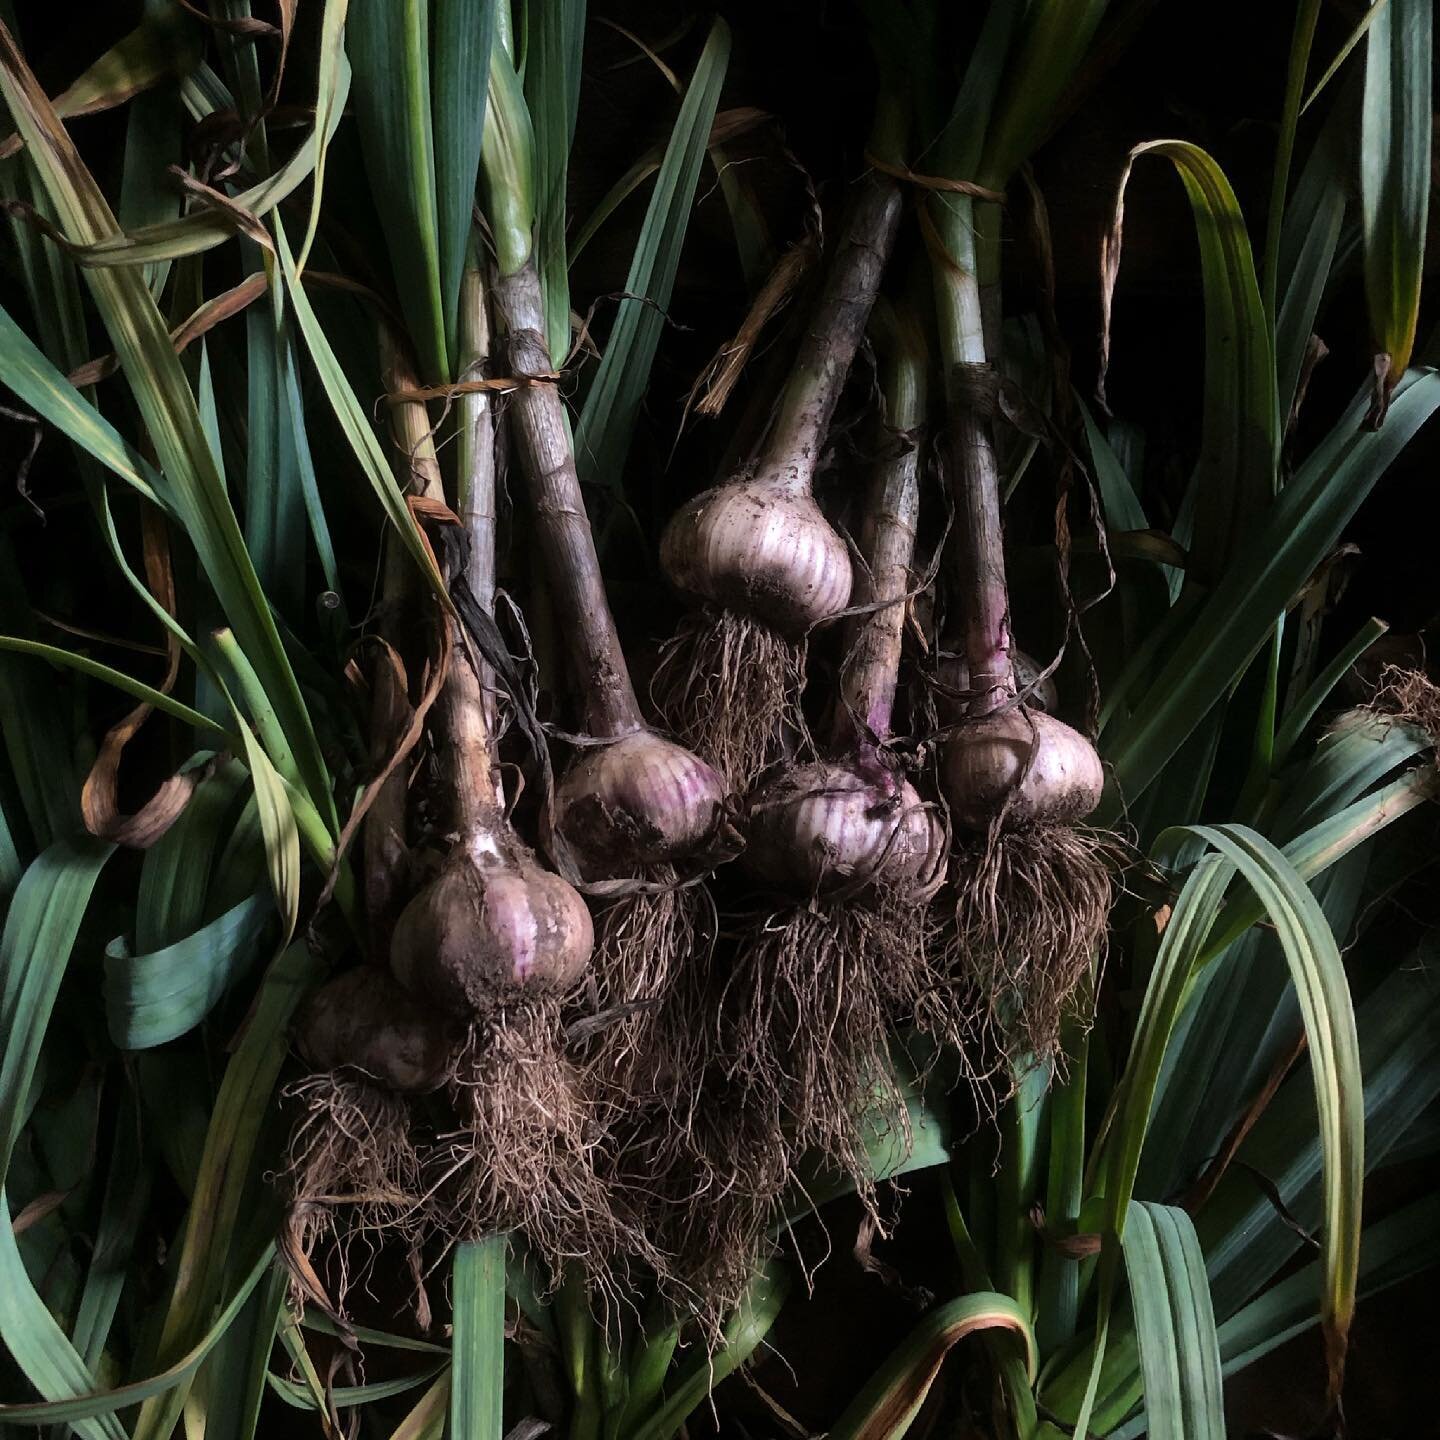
(830, 825)
(639, 800)
(761, 548)
(1048, 772)
(365, 1021)
(491, 925)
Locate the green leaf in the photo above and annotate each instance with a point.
(83, 1407)
(152, 144)
(1268, 569)
(1395, 173)
(237, 1370)
(274, 497)
(167, 42)
(240, 1112)
(1054, 37)
(153, 998)
(1235, 477)
(464, 33)
(82, 664)
(891, 1399)
(389, 45)
(122, 1209)
(556, 42)
(203, 229)
(35, 948)
(607, 421)
(36, 1343)
(41, 386)
(1175, 1325)
(167, 407)
(744, 1332)
(354, 422)
(1310, 246)
(477, 1390)
(1400, 1245)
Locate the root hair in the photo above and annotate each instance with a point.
(1031, 919)
(525, 1155)
(653, 1035)
(729, 688)
(1409, 697)
(807, 1013)
(355, 1173)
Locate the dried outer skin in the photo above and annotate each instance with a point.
(954, 674)
(1031, 765)
(642, 800)
(492, 926)
(827, 826)
(364, 1020)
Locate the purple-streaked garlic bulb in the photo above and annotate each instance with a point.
(491, 926)
(841, 825)
(364, 1021)
(762, 548)
(1033, 766)
(637, 801)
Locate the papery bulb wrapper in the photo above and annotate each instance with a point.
(826, 826)
(364, 1020)
(760, 550)
(954, 675)
(492, 925)
(1048, 772)
(640, 800)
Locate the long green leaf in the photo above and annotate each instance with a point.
(389, 44)
(477, 1390)
(203, 229)
(83, 1408)
(1175, 1325)
(41, 386)
(40, 929)
(1395, 173)
(1268, 569)
(1235, 478)
(607, 421)
(225, 1173)
(464, 33)
(168, 408)
(556, 41)
(354, 422)
(152, 998)
(746, 1329)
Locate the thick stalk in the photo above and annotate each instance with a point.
(832, 337)
(475, 459)
(600, 675)
(979, 547)
(887, 540)
(462, 731)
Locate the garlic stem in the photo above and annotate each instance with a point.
(475, 461)
(887, 538)
(463, 732)
(979, 547)
(601, 677)
(832, 336)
